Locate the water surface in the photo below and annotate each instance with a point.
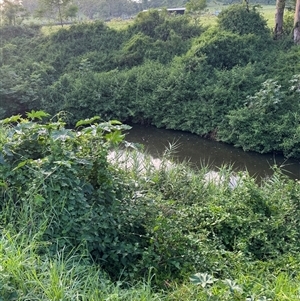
(199, 151)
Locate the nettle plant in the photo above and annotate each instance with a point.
(58, 182)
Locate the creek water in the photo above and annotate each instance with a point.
(199, 151)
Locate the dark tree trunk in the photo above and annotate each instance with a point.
(278, 30)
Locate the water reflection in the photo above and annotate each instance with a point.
(199, 151)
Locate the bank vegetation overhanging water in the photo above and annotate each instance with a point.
(232, 82)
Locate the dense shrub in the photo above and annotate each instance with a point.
(225, 49)
(162, 70)
(158, 36)
(61, 182)
(8, 32)
(268, 121)
(124, 95)
(213, 226)
(126, 213)
(241, 19)
(146, 22)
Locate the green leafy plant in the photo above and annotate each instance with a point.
(63, 175)
(268, 121)
(242, 19)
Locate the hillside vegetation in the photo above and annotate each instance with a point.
(232, 82)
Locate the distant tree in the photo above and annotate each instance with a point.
(105, 9)
(145, 4)
(89, 8)
(195, 7)
(12, 12)
(297, 23)
(58, 9)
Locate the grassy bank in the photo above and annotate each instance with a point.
(80, 224)
(27, 275)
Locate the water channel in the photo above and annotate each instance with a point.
(200, 151)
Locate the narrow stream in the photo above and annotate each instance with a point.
(199, 151)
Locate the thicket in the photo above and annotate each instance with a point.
(163, 70)
(86, 210)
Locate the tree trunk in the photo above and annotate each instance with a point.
(60, 15)
(278, 30)
(297, 23)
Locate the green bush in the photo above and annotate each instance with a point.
(269, 120)
(162, 70)
(221, 223)
(225, 49)
(241, 19)
(8, 32)
(22, 90)
(132, 217)
(61, 184)
(158, 36)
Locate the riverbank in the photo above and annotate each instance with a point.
(77, 226)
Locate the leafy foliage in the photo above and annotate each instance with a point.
(224, 49)
(254, 128)
(78, 199)
(163, 70)
(63, 187)
(241, 19)
(12, 12)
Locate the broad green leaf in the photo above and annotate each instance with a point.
(114, 122)
(63, 134)
(202, 279)
(115, 137)
(12, 119)
(37, 115)
(87, 121)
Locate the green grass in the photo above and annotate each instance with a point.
(50, 29)
(119, 24)
(28, 275)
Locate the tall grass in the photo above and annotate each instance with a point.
(28, 273)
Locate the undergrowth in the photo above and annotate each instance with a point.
(87, 216)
